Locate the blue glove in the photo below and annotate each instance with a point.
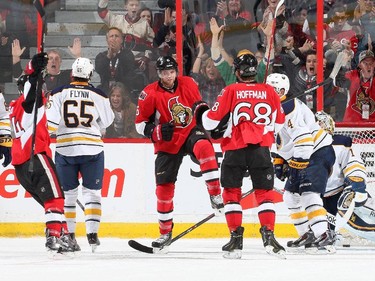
(280, 167)
(357, 184)
(5, 152)
(296, 165)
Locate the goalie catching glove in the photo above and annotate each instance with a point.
(281, 167)
(295, 166)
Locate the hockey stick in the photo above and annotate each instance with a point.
(80, 205)
(41, 32)
(281, 2)
(149, 250)
(335, 70)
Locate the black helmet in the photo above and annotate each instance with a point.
(166, 62)
(246, 64)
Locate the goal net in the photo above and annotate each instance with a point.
(363, 137)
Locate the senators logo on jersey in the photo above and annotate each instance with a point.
(181, 115)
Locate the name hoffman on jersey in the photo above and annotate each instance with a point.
(248, 94)
(79, 94)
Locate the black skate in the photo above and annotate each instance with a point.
(217, 204)
(57, 246)
(270, 244)
(93, 241)
(74, 243)
(233, 249)
(325, 243)
(162, 242)
(305, 240)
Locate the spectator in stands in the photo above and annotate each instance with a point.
(240, 32)
(57, 77)
(124, 109)
(165, 38)
(117, 64)
(138, 32)
(207, 76)
(146, 14)
(359, 81)
(10, 57)
(299, 27)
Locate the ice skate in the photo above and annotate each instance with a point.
(161, 244)
(217, 204)
(233, 249)
(270, 244)
(74, 243)
(93, 241)
(325, 241)
(57, 247)
(305, 240)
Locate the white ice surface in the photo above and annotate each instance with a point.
(189, 259)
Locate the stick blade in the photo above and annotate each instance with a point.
(39, 7)
(139, 247)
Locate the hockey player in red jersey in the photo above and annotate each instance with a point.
(41, 180)
(164, 115)
(247, 114)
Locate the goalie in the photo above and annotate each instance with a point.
(347, 183)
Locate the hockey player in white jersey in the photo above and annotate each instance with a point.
(346, 183)
(5, 137)
(307, 150)
(78, 115)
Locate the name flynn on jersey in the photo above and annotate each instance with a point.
(248, 94)
(79, 94)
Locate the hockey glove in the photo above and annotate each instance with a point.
(39, 62)
(162, 132)
(281, 167)
(5, 149)
(199, 108)
(296, 165)
(358, 185)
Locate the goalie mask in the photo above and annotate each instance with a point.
(280, 82)
(82, 68)
(325, 121)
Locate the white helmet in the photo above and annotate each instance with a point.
(82, 68)
(279, 81)
(325, 121)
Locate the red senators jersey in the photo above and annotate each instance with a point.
(22, 129)
(157, 105)
(360, 94)
(255, 113)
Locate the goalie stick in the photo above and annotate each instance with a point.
(149, 250)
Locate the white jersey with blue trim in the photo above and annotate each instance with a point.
(301, 135)
(346, 164)
(77, 114)
(4, 118)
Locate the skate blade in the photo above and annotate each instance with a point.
(93, 247)
(162, 251)
(325, 250)
(280, 254)
(235, 254)
(59, 255)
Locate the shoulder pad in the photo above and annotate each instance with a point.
(289, 106)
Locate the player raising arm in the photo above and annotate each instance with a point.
(250, 112)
